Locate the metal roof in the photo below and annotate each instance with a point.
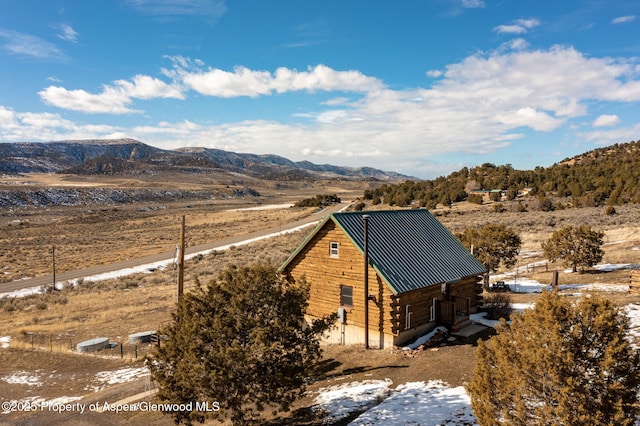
(410, 249)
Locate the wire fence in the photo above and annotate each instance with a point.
(113, 349)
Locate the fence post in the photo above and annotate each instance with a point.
(121, 351)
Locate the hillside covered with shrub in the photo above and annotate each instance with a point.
(604, 176)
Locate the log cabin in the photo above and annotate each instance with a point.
(418, 276)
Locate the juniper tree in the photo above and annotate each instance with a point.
(493, 244)
(237, 344)
(558, 364)
(576, 246)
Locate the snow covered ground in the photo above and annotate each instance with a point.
(5, 341)
(264, 207)
(414, 403)
(420, 403)
(34, 380)
(104, 378)
(338, 402)
(22, 378)
(434, 402)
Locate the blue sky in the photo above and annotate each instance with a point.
(422, 87)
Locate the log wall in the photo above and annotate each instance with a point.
(325, 275)
(634, 283)
(388, 313)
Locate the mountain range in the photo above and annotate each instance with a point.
(132, 157)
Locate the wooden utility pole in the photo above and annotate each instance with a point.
(53, 264)
(181, 261)
(366, 281)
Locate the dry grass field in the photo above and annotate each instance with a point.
(44, 329)
(104, 234)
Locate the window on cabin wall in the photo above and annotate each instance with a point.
(432, 310)
(334, 249)
(346, 296)
(407, 317)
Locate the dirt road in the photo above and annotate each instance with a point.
(160, 257)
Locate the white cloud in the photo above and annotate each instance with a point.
(560, 80)
(245, 82)
(336, 101)
(241, 82)
(110, 101)
(324, 78)
(8, 118)
(473, 4)
(608, 137)
(30, 46)
(516, 44)
(207, 9)
(530, 117)
(519, 26)
(510, 29)
(481, 104)
(67, 33)
(623, 19)
(606, 120)
(336, 116)
(29, 126)
(114, 99)
(435, 73)
(145, 87)
(528, 23)
(478, 106)
(45, 120)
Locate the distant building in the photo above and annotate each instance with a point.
(524, 192)
(420, 275)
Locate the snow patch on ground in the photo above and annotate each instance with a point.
(24, 292)
(424, 339)
(264, 207)
(339, 401)
(526, 254)
(526, 285)
(480, 317)
(616, 266)
(103, 379)
(633, 313)
(117, 376)
(22, 378)
(5, 341)
(419, 403)
(38, 401)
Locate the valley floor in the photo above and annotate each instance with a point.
(38, 333)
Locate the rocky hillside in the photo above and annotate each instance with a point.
(49, 197)
(132, 157)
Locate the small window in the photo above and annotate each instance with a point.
(432, 310)
(346, 295)
(333, 249)
(407, 317)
